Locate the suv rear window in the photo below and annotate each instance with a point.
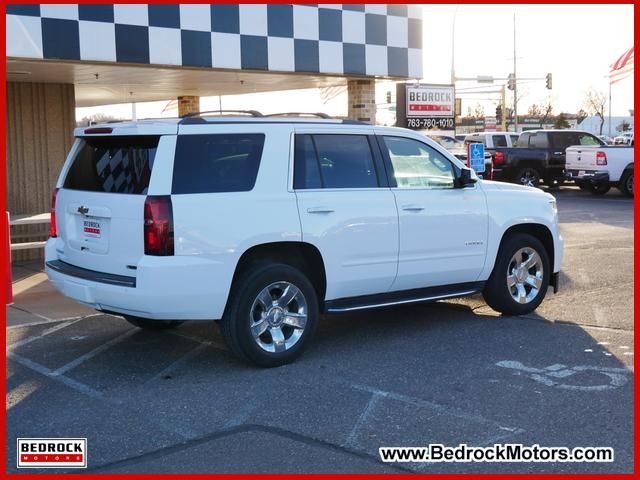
(113, 164)
(217, 163)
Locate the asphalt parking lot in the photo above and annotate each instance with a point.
(450, 372)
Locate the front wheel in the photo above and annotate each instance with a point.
(528, 176)
(271, 315)
(520, 276)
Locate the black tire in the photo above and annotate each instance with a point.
(150, 324)
(626, 183)
(529, 176)
(599, 188)
(582, 185)
(240, 314)
(498, 294)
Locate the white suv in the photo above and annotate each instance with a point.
(264, 223)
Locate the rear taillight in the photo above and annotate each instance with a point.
(158, 226)
(601, 158)
(53, 228)
(498, 158)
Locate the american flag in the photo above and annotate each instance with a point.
(622, 67)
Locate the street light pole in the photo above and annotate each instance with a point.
(453, 47)
(515, 78)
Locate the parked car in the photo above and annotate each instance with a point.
(459, 150)
(493, 140)
(625, 139)
(598, 168)
(606, 139)
(540, 155)
(460, 136)
(264, 223)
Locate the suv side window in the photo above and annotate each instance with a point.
(538, 140)
(587, 139)
(499, 141)
(216, 163)
(333, 161)
(514, 140)
(416, 165)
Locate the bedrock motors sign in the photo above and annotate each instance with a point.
(52, 453)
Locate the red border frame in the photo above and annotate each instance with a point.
(4, 233)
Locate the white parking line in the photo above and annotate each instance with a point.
(80, 387)
(46, 332)
(376, 396)
(50, 320)
(83, 358)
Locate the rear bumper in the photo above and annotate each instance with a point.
(590, 176)
(164, 288)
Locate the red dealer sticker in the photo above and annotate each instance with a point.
(52, 453)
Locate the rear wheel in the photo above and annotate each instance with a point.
(626, 183)
(520, 276)
(528, 176)
(599, 188)
(149, 324)
(271, 315)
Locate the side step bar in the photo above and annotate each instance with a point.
(389, 299)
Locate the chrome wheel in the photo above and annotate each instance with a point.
(278, 317)
(525, 275)
(529, 178)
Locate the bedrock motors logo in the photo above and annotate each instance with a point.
(52, 453)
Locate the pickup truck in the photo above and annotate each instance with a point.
(540, 155)
(598, 168)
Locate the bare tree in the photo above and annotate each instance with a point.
(546, 110)
(478, 111)
(595, 102)
(96, 118)
(534, 110)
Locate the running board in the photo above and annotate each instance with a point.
(389, 299)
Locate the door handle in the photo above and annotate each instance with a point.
(319, 210)
(412, 208)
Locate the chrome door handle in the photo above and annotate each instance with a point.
(319, 210)
(412, 208)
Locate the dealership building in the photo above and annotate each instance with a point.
(59, 57)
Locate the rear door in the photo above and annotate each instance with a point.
(347, 210)
(100, 199)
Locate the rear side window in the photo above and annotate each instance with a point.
(216, 163)
(499, 140)
(538, 140)
(514, 140)
(113, 164)
(334, 161)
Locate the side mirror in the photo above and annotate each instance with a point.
(465, 179)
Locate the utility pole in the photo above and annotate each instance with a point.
(515, 81)
(609, 107)
(453, 47)
(503, 102)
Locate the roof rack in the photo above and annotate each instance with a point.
(299, 114)
(252, 113)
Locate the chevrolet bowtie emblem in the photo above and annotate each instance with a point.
(83, 210)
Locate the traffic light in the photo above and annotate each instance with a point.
(549, 81)
(511, 83)
(499, 113)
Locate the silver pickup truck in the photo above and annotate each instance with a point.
(598, 168)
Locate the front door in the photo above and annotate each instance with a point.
(443, 229)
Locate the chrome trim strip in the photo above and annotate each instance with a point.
(402, 302)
